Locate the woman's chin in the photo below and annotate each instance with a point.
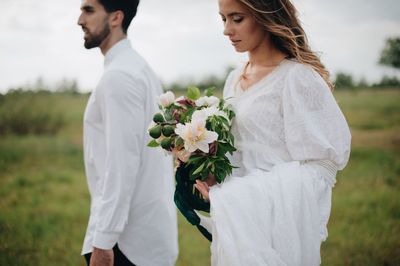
(240, 50)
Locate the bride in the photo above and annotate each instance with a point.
(291, 138)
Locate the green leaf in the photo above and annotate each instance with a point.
(193, 93)
(153, 143)
(209, 91)
(195, 159)
(178, 141)
(204, 174)
(198, 170)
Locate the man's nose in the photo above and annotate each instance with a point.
(80, 20)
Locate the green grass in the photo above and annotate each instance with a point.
(44, 202)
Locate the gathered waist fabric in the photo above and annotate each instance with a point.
(325, 168)
(260, 156)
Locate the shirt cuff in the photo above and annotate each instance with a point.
(105, 240)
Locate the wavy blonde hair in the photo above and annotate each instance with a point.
(279, 17)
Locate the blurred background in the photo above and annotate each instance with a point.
(46, 76)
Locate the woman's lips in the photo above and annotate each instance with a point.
(235, 42)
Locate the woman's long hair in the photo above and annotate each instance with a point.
(279, 17)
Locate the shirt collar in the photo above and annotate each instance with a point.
(116, 49)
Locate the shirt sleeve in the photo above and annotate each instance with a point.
(121, 100)
(315, 128)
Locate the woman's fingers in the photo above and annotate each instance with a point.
(203, 188)
(210, 180)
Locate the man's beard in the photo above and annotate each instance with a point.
(93, 41)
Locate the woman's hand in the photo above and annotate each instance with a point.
(204, 186)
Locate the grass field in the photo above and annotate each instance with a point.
(44, 202)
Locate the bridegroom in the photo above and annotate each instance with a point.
(132, 214)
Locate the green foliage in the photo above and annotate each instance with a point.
(388, 82)
(27, 112)
(390, 55)
(343, 80)
(209, 91)
(193, 93)
(44, 202)
(372, 110)
(153, 143)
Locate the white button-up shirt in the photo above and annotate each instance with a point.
(130, 184)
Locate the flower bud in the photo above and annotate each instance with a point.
(167, 130)
(158, 118)
(166, 143)
(155, 132)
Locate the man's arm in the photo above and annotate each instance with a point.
(121, 101)
(102, 257)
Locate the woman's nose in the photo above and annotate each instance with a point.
(227, 29)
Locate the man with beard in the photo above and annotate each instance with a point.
(132, 214)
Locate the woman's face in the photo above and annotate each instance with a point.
(240, 26)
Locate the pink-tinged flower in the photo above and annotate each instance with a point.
(176, 114)
(166, 99)
(183, 101)
(183, 155)
(195, 135)
(207, 101)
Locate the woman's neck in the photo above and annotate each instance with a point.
(262, 61)
(265, 55)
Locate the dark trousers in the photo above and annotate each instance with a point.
(119, 258)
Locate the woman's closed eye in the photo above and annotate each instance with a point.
(234, 18)
(237, 18)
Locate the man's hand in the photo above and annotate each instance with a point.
(102, 257)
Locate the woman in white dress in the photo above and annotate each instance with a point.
(291, 138)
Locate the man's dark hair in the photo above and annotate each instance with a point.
(128, 7)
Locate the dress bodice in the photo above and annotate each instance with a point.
(289, 115)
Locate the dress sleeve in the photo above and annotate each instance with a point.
(229, 85)
(315, 127)
(122, 108)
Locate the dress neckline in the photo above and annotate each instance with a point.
(238, 88)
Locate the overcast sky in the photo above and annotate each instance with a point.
(182, 39)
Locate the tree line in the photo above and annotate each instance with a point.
(390, 57)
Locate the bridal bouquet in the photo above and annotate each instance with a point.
(196, 130)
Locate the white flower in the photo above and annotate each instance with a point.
(166, 99)
(207, 101)
(207, 112)
(180, 98)
(199, 115)
(195, 135)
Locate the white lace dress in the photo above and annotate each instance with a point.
(291, 138)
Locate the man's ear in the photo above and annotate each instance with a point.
(116, 18)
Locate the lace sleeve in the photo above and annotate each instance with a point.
(315, 128)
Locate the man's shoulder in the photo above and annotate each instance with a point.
(129, 72)
(131, 64)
